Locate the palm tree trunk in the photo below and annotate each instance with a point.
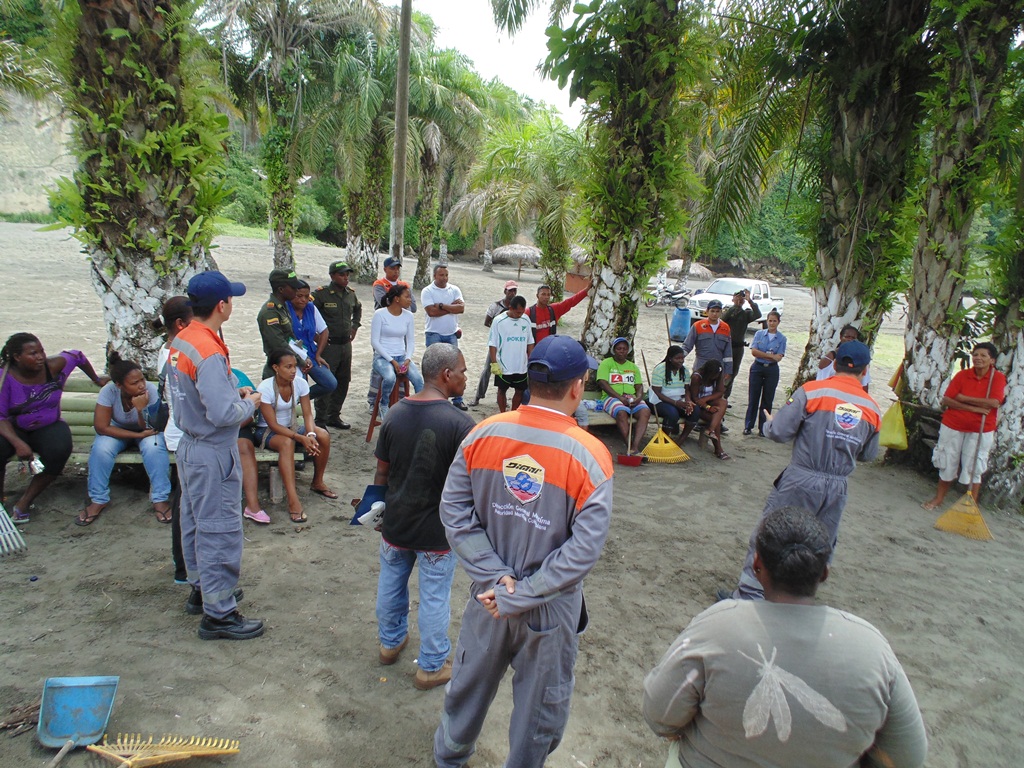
(147, 182)
(1004, 487)
(977, 48)
(133, 293)
(401, 134)
(428, 224)
(614, 299)
(489, 248)
(872, 125)
(282, 190)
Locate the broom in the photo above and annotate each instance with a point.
(964, 517)
(661, 449)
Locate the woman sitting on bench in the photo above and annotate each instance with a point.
(30, 425)
(124, 409)
(274, 429)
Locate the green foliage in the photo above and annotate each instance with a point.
(630, 60)
(461, 241)
(150, 152)
(28, 217)
(280, 182)
(772, 234)
(24, 22)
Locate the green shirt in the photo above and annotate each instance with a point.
(340, 309)
(622, 377)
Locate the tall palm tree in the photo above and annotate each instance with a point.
(528, 175)
(284, 41)
(151, 159)
(972, 48)
(22, 70)
(629, 61)
(855, 71)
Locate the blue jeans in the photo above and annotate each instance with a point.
(324, 382)
(435, 338)
(437, 569)
(154, 458)
(388, 377)
(670, 416)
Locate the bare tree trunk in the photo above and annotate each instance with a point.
(489, 249)
(401, 134)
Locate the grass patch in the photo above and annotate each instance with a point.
(230, 228)
(888, 351)
(28, 217)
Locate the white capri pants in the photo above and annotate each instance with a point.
(954, 451)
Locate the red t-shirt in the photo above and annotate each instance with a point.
(967, 383)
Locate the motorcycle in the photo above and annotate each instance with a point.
(659, 293)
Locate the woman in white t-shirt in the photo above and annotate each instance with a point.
(393, 338)
(827, 364)
(277, 430)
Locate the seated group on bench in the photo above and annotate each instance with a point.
(129, 414)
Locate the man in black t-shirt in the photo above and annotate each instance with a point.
(418, 442)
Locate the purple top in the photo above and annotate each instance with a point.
(33, 406)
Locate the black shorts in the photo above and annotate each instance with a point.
(517, 381)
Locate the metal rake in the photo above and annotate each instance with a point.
(135, 751)
(10, 537)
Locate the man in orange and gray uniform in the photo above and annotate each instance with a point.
(208, 409)
(526, 508)
(833, 424)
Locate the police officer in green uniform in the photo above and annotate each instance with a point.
(342, 312)
(274, 322)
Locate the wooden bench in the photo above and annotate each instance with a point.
(77, 408)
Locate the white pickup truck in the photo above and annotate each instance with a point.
(723, 289)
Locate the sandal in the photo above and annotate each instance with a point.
(162, 515)
(300, 519)
(19, 517)
(327, 493)
(723, 456)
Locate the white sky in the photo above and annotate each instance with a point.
(467, 26)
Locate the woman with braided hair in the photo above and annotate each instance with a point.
(30, 425)
(784, 682)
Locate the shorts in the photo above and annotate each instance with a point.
(614, 407)
(517, 381)
(260, 436)
(955, 450)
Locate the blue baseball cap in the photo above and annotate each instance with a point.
(714, 304)
(622, 340)
(209, 288)
(564, 357)
(852, 354)
(392, 261)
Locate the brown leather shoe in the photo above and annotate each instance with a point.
(426, 680)
(389, 656)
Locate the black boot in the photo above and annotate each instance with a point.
(234, 626)
(194, 604)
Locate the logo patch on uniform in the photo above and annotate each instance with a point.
(273, 320)
(848, 416)
(172, 361)
(524, 478)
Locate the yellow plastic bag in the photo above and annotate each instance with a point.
(893, 433)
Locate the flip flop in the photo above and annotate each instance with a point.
(724, 456)
(327, 493)
(20, 518)
(297, 520)
(163, 516)
(88, 519)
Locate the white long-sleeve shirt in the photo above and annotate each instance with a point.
(393, 336)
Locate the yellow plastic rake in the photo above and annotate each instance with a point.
(135, 751)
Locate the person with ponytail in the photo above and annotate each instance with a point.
(30, 425)
(124, 417)
(784, 682)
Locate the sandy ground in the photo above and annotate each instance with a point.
(310, 691)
